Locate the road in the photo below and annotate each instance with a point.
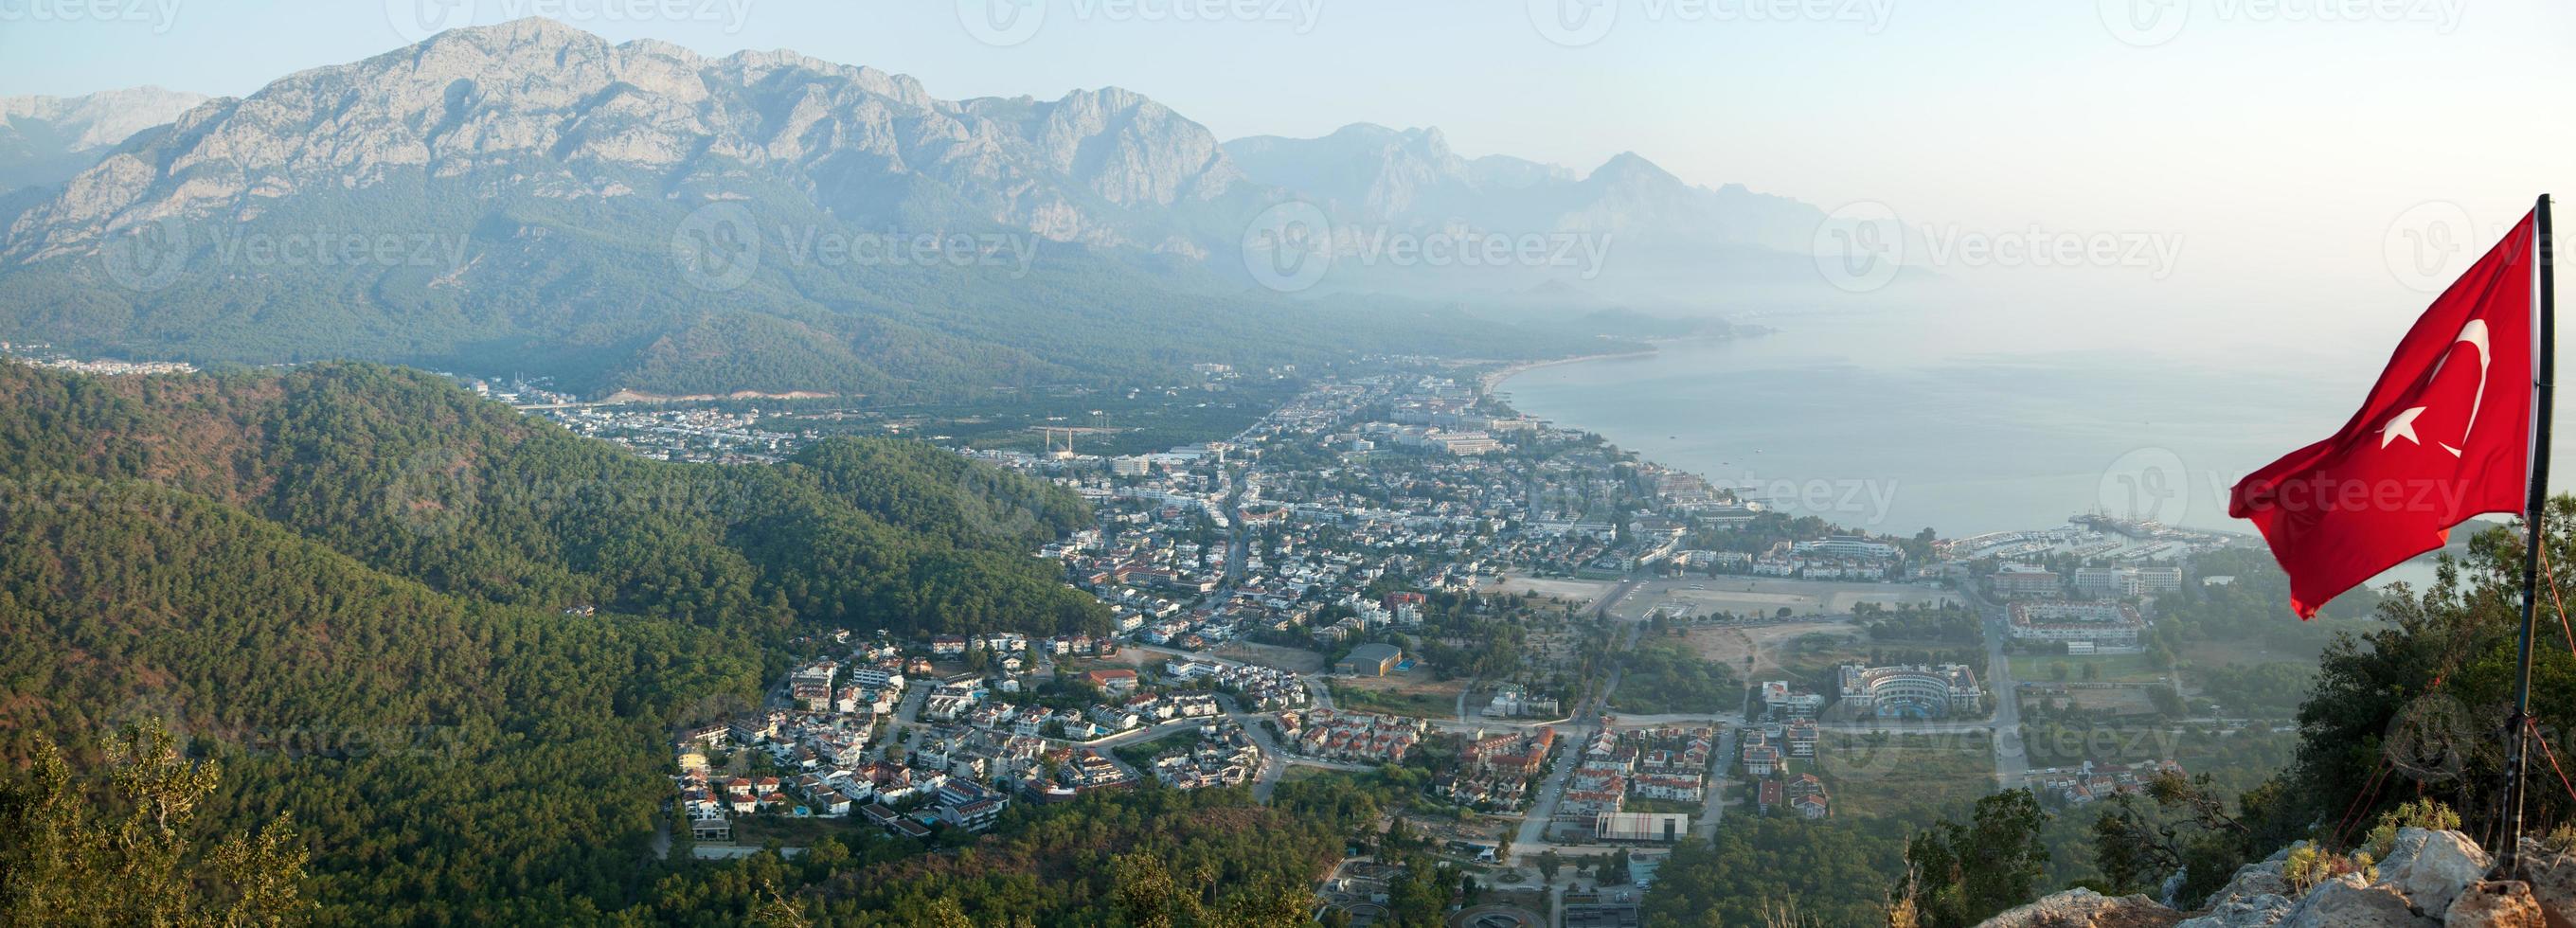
(1574, 735)
(2012, 760)
(907, 713)
(1713, 810)
(1274, 761)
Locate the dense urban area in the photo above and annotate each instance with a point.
(1567, 658)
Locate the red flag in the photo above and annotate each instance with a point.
(2445, 435)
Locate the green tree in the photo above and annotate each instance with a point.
(119, 852)
(1964, 874)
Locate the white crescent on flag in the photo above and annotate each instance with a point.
(2402, 425)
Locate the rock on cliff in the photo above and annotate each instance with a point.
(2431, 878)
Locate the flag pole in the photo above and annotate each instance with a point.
(2545, 349)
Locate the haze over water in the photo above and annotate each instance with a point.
(1893, 421)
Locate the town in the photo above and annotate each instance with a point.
(1575, 654)
(1399, 572)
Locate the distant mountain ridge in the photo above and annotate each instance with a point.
(1377, 174)
(48, 140)
(529, 196)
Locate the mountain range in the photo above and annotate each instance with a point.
(48, 140)
(529, 196)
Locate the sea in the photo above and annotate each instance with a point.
(1896, 421)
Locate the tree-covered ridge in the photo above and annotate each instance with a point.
(981, 507)
(1211, 858)
(444, 642)
(447, 759)
(1082, 866)
(593, 292)
(422, 479)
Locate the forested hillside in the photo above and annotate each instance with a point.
(359, 588)
(416, 477)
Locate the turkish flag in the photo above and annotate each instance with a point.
(2445, 435)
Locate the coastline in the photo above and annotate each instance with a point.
(1487, 381)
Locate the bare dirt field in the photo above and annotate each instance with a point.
(1699, 596)
(2127, 700)
(1764, 643)
(1581, 592)
(1416, 693)
(1293, 660)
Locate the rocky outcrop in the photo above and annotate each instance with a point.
(2431, 867)
(2552, 878)
(2253, 910)
(2348, 902)
(2084, 908)
(2430, 878)
(2497, 903)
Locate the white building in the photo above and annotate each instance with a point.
(1912, 691)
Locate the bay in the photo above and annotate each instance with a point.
(1894, 421)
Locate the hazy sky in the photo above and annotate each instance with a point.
(2277, 145)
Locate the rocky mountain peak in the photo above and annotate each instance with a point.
(1630, 169)
(539, 107)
